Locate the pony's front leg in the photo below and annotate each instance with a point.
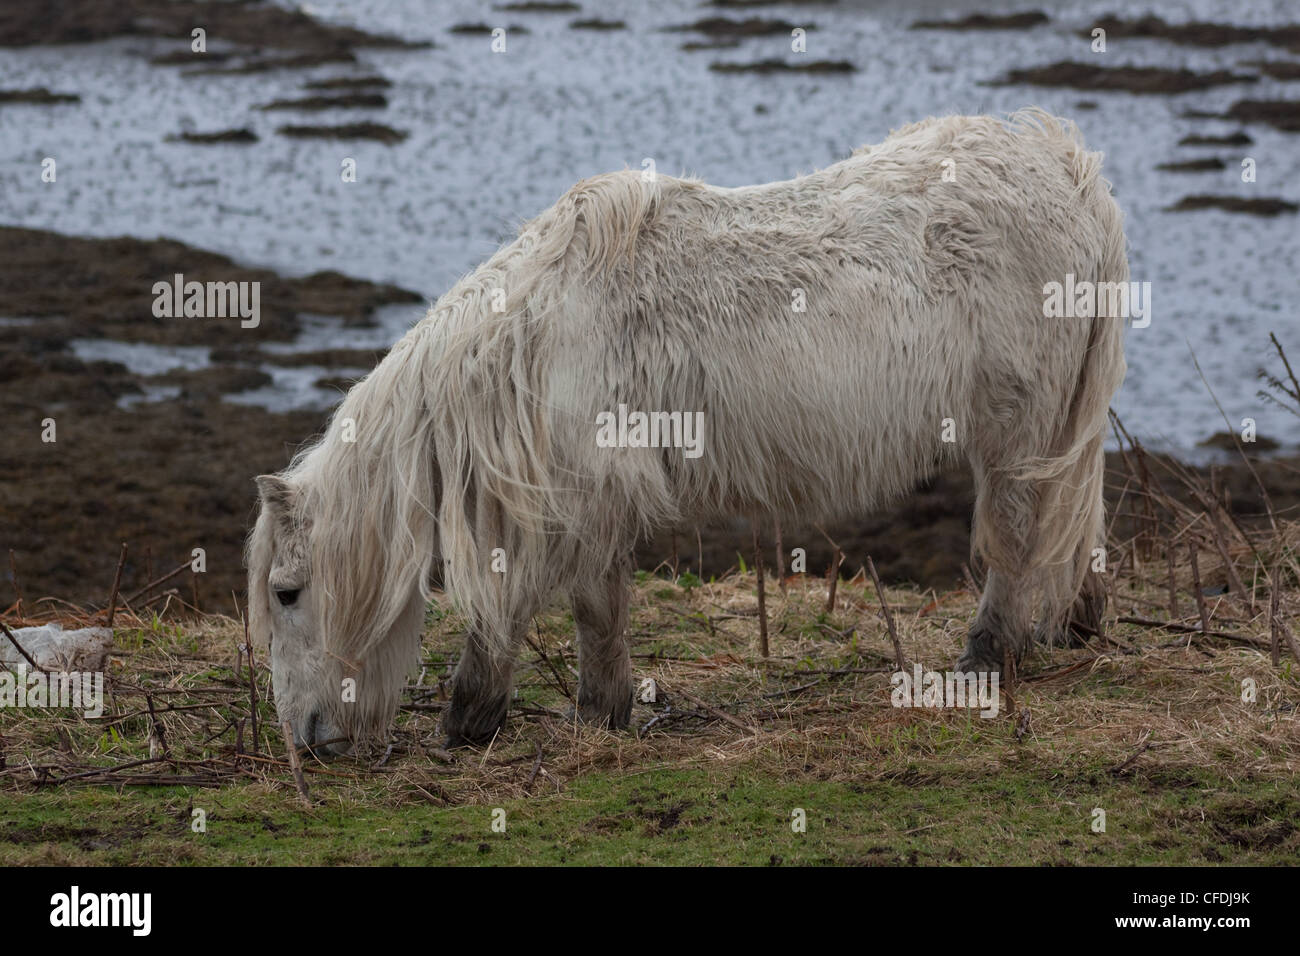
(604, 665)
(480, 694)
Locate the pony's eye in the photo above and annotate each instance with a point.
(287, 597)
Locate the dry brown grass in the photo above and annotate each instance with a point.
(1142, 697)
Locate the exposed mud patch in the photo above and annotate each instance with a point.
(1253, 207)
(536, 6)
(781, 66)
(1195, 33)
(264, 64)
(39, 96)
(1280, 114)
(1277, 69)
(1128, 79)
(1232, 139)
(981, 21)
(597, 25)
(243, 135)
(374, 131)
(348, 101)
(1211, 164)
(483, 29)
(726, 28)
(348, 83)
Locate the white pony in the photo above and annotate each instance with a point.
(844, 334)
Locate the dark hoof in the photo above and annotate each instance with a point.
(473, 730)
(1071, 636)
(455, 741)
(602, 712)
(985, 652)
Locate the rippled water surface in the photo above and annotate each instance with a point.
(495, 138)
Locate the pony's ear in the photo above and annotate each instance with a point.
(277, 495)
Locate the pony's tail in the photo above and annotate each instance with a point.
(1071, 513)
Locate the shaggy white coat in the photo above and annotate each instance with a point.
(923, 302)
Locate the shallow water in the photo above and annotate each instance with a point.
(495, 138)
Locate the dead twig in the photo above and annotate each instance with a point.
(153, 584)
(117, 580)
(18, 588)
(899, 659)
(299, 780)
(1274, 621)
(1145, 745)
(1173, 589)
(532, 774)
(711, 710)
(1196, 586)
(1188, 629)
(762, 598)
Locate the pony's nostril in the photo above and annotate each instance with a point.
(309, 737)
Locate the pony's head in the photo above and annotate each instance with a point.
(429, 465)
(282, 619)
(340, 638)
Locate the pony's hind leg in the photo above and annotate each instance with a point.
(480, 694)
(1005, 522)
(1084, 620)
(604, 665)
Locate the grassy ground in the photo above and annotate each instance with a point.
(1147, 725)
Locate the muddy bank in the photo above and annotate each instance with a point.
(248, 36)
(164, 476)
(90, 288)
(249, 23)
(925, 538)
(172, 475)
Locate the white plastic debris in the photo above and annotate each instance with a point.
(55, 649)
